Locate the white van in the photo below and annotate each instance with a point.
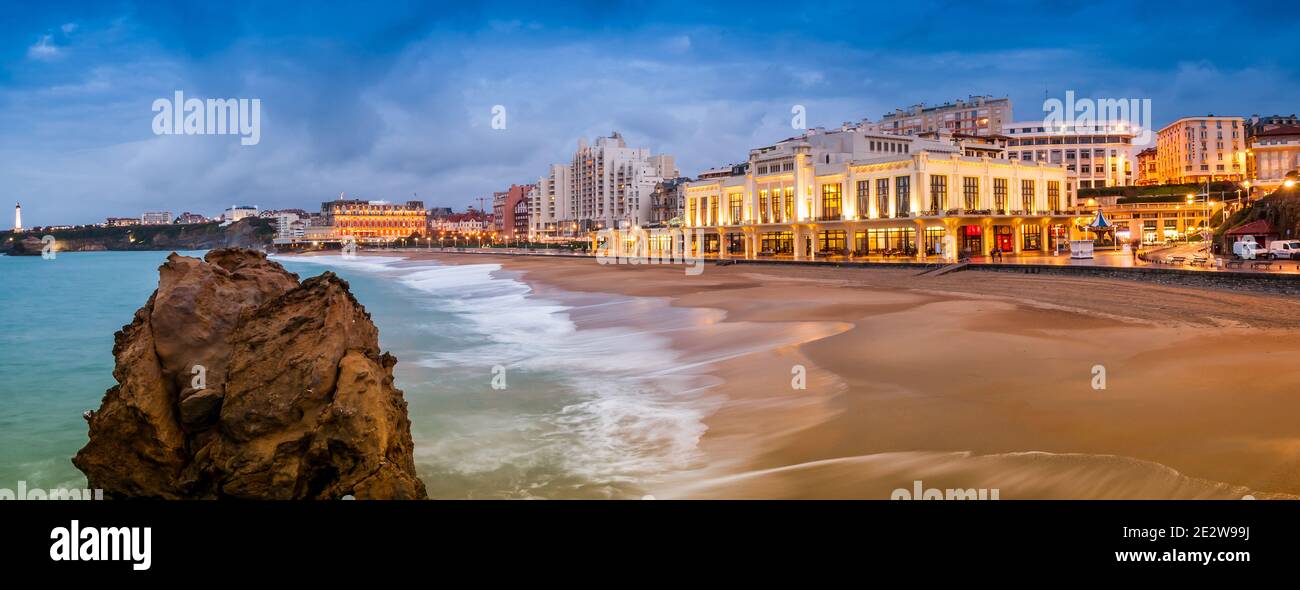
(1246, 248)
(1289, 249)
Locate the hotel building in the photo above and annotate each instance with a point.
(1274, 151)
(1194, 150)
(977, 115)
(1097, 155)
(854, 191)
(373, 220)
(607, 185)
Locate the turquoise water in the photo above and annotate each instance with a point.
(56, 353)
(588, 413)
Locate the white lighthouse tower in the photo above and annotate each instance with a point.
(18, 217)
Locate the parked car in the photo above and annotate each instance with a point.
(1288, 249)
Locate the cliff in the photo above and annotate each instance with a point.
(250, 232)
(237, 381)
(1280, 209)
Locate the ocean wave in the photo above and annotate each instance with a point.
(622, 422)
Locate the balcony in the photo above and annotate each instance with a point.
(835, 217)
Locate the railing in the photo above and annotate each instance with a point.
(836, 217)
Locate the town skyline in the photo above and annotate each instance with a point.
(414, 115)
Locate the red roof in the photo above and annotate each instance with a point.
(1254, 228)
(1280, 130)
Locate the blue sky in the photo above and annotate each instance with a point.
(385, 100)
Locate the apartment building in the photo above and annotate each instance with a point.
(977, 115)
(510, 211)
(667, 199)
(1195, 150)
(856, 191)
(550, 205)
(461, 223)
(1148, 171)
(156, 218)
(1098, 154)
(609, 185)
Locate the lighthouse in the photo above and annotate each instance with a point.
(18, 217)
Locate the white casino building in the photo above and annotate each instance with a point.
(857, 192)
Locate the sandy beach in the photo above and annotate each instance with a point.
(971, 380)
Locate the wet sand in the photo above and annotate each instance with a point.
(972, 380)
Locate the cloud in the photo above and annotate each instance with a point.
(385, 104)
(44, 49)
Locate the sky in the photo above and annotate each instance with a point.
(385, 100)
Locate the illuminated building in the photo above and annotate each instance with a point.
(1148, 169)
(853, 191)
(1194, 150)
(374, 220)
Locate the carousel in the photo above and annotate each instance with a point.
(1103, 231)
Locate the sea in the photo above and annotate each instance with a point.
(511, 393)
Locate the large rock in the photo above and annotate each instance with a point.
(236, 381)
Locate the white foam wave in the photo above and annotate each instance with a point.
(628, 421)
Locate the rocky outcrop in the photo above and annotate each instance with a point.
(237, 381)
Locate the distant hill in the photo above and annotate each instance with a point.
(250, 232)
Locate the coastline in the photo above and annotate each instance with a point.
(969, 381)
